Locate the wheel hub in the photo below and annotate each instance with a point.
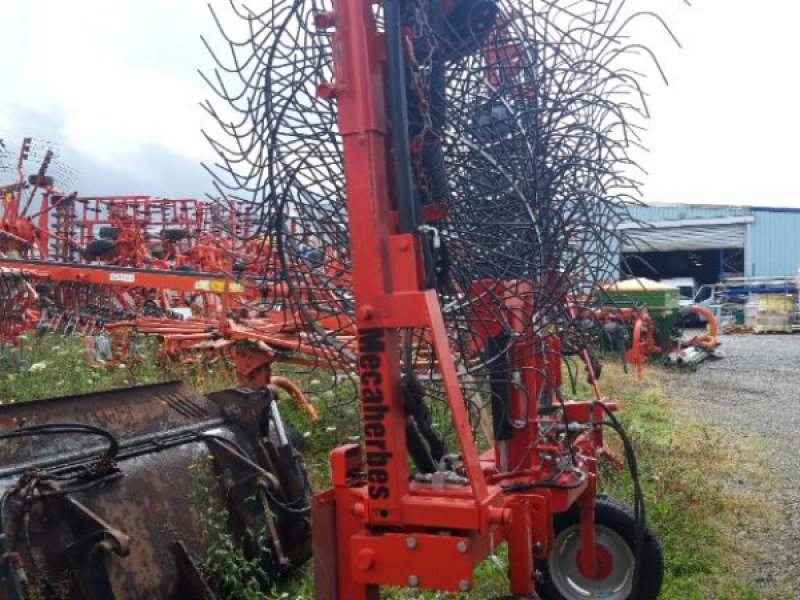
(603, 566)
(615, 564)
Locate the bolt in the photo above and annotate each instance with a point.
(411, 543)
(324, 20)
(538, 547)
(462, 547)
(463, 585)
(365, 560)
(327, 91)
(413, 581)
(365, 313)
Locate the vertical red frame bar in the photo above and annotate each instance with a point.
(359, 81)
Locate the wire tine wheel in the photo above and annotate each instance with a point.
(522, 117)
(37, 157)
(5, 160)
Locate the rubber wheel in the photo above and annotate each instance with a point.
(41, 180)
(109, 233)
(175, 234)
(597, 366)
(99, 248)
(560, 578)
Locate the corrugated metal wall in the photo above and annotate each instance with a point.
(685, 238)
(704, 234)
(674, 212)
(773, 243)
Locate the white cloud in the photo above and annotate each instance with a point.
(725, 129)
(121, 76)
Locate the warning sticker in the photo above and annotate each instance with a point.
(217, 286)
(123, 277)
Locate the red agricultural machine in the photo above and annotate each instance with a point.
(131, 231)
(23, 212)
(75, 470)
(465, 180)
(424, 190)
(641, 335)
(39, 221)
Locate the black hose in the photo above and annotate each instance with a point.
(68, 429)
(640, 518)
(551, 483)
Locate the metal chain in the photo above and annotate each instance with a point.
(421, 38)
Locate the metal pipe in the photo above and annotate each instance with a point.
(405, 195)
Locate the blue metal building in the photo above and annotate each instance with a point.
(709, 242)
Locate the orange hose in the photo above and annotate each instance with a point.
(297, 395)
(707, 342)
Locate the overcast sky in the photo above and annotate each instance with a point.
(115, 81)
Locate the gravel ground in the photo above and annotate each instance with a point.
(755, 391)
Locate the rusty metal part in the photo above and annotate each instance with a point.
(136, 530)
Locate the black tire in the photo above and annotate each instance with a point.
(42, 329)
(616, 521)
(97, 248)
(41, 180)
(594, 360)
(175, 234)
(108, 232)
(616, 337)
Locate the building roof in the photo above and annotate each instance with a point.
(714, 208)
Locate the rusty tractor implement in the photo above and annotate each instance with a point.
(104, 496)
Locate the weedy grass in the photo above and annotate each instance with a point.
(700, 521)
(56, 365)
(230, 572)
